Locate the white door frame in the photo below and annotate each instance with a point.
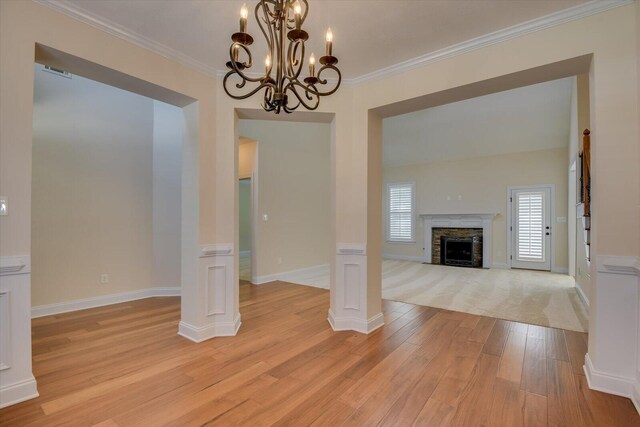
(571, 218)
(552, 243)
(255, 218)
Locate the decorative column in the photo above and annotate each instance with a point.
(214, 314)
(16, 380)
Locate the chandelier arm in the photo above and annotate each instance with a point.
(291, 86)
(234, 63)
(293, 62)
(241, 85)
(262, 5)
(325, 81)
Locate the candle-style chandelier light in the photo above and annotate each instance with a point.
(281, 24)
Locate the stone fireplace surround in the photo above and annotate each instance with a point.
(484, 221)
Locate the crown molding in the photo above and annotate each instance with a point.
(76, 12)
(577, 12)
(571, 14)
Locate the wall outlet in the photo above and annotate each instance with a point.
(104, 279)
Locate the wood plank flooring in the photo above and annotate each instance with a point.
(124, 365)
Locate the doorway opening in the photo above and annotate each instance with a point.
(457, 160)
(284, 230)
(107, 193)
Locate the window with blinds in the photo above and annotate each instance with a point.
(401, 205)
(530, 220)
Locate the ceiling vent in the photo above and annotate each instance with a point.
(57, 72)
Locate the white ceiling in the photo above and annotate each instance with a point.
(369, 34)
(526, 119)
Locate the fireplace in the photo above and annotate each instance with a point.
(456, 251)
(475, 226)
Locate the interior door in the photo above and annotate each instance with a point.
(531, 228)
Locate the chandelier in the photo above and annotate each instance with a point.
(284, 89)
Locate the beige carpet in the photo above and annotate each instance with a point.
(539, 298)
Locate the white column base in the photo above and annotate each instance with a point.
(355, 324)
(349, 309)
(18, 392)
(611, 384)
(219, 329)
(210, 305)
(613, 363)
(17, 383)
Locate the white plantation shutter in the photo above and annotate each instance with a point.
(401, 212)
(530, 217)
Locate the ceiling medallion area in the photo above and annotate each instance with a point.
(284, 89)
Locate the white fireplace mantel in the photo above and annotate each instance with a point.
(479, 220)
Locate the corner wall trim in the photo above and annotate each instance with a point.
(82, 304)
(18, 392)
(200, 334)
(573, 13)
(611, 384)
(355, 324)
(80, 14)
(557, 18)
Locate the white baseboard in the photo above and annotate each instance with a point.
(500, 265)
(200, 334)
(244, 253)
(18, 392)
(82, 304)
(612, 384)
(291, 276)
(403, 257)
(353, 324)
(582, 295)
(560, 270)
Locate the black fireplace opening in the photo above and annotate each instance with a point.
(458, 251)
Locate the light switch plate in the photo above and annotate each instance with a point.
(4, 206)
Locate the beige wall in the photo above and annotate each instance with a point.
(482, 183)
(92, 189)
(294, 191)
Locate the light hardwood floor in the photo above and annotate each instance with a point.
(124, 365)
